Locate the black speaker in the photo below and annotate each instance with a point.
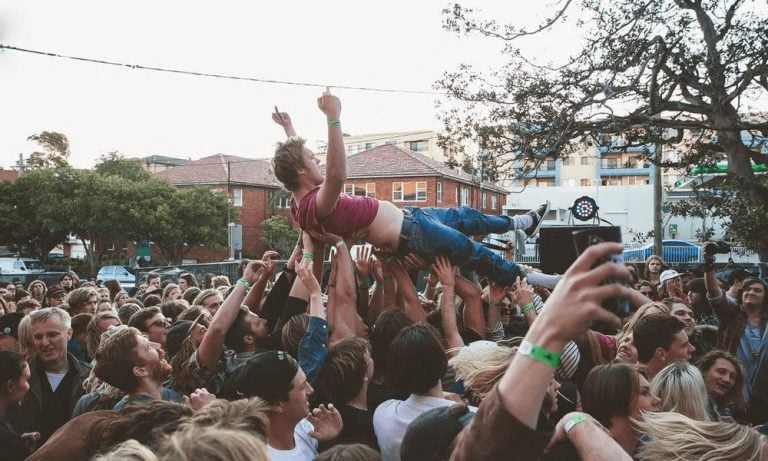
(557, 251)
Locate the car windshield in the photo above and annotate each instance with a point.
(33, 264)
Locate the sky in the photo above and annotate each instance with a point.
(397, 44)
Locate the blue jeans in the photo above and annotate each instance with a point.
(430, 232)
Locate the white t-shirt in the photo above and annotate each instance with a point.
(54, 379)
(305, 449)
(392, 417)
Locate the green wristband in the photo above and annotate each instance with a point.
(492, 304)
(308, 255)
(579, 418)
(527, 307)
(539, 354)
(334, 122)
(243, 283)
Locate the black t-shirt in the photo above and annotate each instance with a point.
(358, 428)
(12, 447)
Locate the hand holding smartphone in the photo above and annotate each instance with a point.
(583, 239)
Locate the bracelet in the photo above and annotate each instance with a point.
(539, 354)
(243, 283)
(339, 244)
(492, 304)
(334, 122)
(578, 418)
(289, 270)
(308, 255)
(527, 307)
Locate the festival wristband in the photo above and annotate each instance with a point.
(538, 354)
(578, 418)
(308, 255)
(334, 122)
(527, 307)
(243, 283)
(492, 304)
(339, 244)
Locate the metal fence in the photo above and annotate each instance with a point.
(672, 255)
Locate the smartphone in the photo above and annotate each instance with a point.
(583, 239)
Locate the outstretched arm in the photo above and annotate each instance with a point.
(336, 159)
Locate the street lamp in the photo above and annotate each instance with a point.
(230, 229)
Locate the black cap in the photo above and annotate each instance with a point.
(176, 335)
(431, 433)
(9, 324)
(267, 375)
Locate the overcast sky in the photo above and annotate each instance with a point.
(395, 44)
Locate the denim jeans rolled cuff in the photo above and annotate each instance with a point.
(430, 232)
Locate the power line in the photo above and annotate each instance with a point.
(206, 74)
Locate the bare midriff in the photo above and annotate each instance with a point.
(384, 230)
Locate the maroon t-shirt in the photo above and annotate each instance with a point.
(352, 213)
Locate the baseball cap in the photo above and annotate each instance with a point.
(668, 274)
(54, 291)
(428, 436)
(267, 375)
(9, 324)
(176, 335)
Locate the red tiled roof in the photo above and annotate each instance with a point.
(394, 161)
(9, 175)
(213, 170)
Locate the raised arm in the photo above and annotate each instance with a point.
(446, 272)
(253, 298)
(336, 159)
(213, 342)
(408, 293)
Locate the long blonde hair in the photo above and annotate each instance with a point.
(674, 436)
(482, 367)
(213, 443)
(641, 312)
(681, 388)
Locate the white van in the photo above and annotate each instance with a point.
(20, 266)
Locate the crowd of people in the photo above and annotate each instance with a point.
(491, 360)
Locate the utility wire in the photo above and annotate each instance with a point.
(206, 74)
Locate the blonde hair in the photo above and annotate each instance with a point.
(214, 443)
(681, 388)
(482, 367)
(250, 415)
(641, 312)
(674, 436)
(130, 450)
(26, 345)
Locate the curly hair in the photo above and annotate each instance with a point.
(288, 160)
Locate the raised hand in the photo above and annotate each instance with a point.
(306, 276)
(363, 261)
(284, 120)
(445, 271)
(198, 399)
(523, 293)
(329, 104)
(323, 236)
(268, 258)
(326, 421)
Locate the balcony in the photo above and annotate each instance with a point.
(616, 167)
(547, 169)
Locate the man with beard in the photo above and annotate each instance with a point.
(132, 363)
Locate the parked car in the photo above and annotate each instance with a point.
(20, 266)
(123, 274)
(672, 251)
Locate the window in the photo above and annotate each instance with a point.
(586, 182)
(569, 182)
(370, 145)
(439, 191)
(464, 196)
(417, 146)
(585, 161)
(353, 149)
(494, 203)
(281, 199)
(567, 161)
(370, 189)
(484, 200)
(349, 189)
(237, 197)
(409, 191)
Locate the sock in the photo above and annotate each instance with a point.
(545, 280)
(521, 221)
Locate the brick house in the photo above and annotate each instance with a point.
(407, 178)
(253, 190)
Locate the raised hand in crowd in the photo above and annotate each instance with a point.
(199, 399)
(284, 120)
(326, 421)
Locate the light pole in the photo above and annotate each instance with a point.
(230, 229)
